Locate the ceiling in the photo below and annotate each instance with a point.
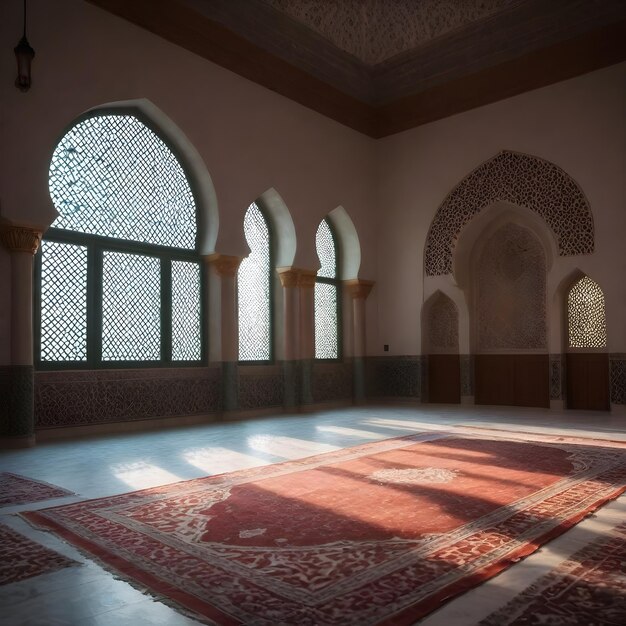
(383, 66)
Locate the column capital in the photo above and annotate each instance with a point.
(296, 277)
(20, 238)
(288, 276)
(306, 279)
(224, 264)
(358, 288)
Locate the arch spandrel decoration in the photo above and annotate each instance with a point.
(521, 179)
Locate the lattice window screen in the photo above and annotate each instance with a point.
(186, 332)
(586, 315)
(326, 298)
(111, 175)
(325, 246)
(63, 302)
(253, 288)
(326, 322)
(131, 307)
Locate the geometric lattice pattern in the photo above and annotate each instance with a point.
(326, 322)
(376, 30)
(325, 246)
(585, 315)
(521, 179)
(253, 289)
(186, 331)
(63, 302)
(326, 296)
(443, 325)
(131, 307)
(511, 303)
(110, 175)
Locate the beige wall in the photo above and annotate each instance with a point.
(250, 139)
(578, 124)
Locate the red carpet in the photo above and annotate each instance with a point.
(589, 588)
(16, 489)
(22, 558)
(378, 534)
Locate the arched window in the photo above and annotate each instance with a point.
(585, 315)
(327, 310)
(254, 290)
(120, 279)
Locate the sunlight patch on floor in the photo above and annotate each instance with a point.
(350, 432)
(142, 475)
(218, 460)
(288, 447)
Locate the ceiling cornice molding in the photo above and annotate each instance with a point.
(410, 91)
(185, 27)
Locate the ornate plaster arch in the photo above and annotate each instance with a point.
(521, 179)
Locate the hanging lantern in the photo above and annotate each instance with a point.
(24, 55)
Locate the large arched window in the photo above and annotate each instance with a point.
(254, 290)
(586, 320)
(327, 309)
(120, 279)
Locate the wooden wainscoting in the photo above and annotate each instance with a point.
(512, 379)
(444, 378)
(588, 381)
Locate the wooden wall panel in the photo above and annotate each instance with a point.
(444, 378)
(512, 379)
(588, 381)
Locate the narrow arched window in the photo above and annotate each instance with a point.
(327, 311)
(254, 290)
(585, 315)
(120, 278)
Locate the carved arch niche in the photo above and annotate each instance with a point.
(440, 337)
(509, 328)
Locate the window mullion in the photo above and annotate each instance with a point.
(166, 310)
(94, 305)
(37, 307)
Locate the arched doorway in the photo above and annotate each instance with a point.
(509, 318)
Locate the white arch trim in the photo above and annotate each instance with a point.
(350, 248)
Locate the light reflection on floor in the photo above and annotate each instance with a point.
(142, 475)
(105, 465)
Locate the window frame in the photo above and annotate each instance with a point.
(272, 282)
(337, 283)
(98, 244)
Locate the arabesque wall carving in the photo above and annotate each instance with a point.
(443, 325)
(521, 179)
(511, 282)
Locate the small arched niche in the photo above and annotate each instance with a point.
(585, 340)
(440, 338)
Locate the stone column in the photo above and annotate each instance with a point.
(359, 290)
(18, 421)
(224, 268)
(306, 283)
(289, 277)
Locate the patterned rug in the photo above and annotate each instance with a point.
(589, 588)
(22, 558)
(382, 533)
(16, 489)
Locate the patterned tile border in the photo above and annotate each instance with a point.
(96, 397)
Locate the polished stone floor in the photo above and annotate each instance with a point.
(107, 465)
